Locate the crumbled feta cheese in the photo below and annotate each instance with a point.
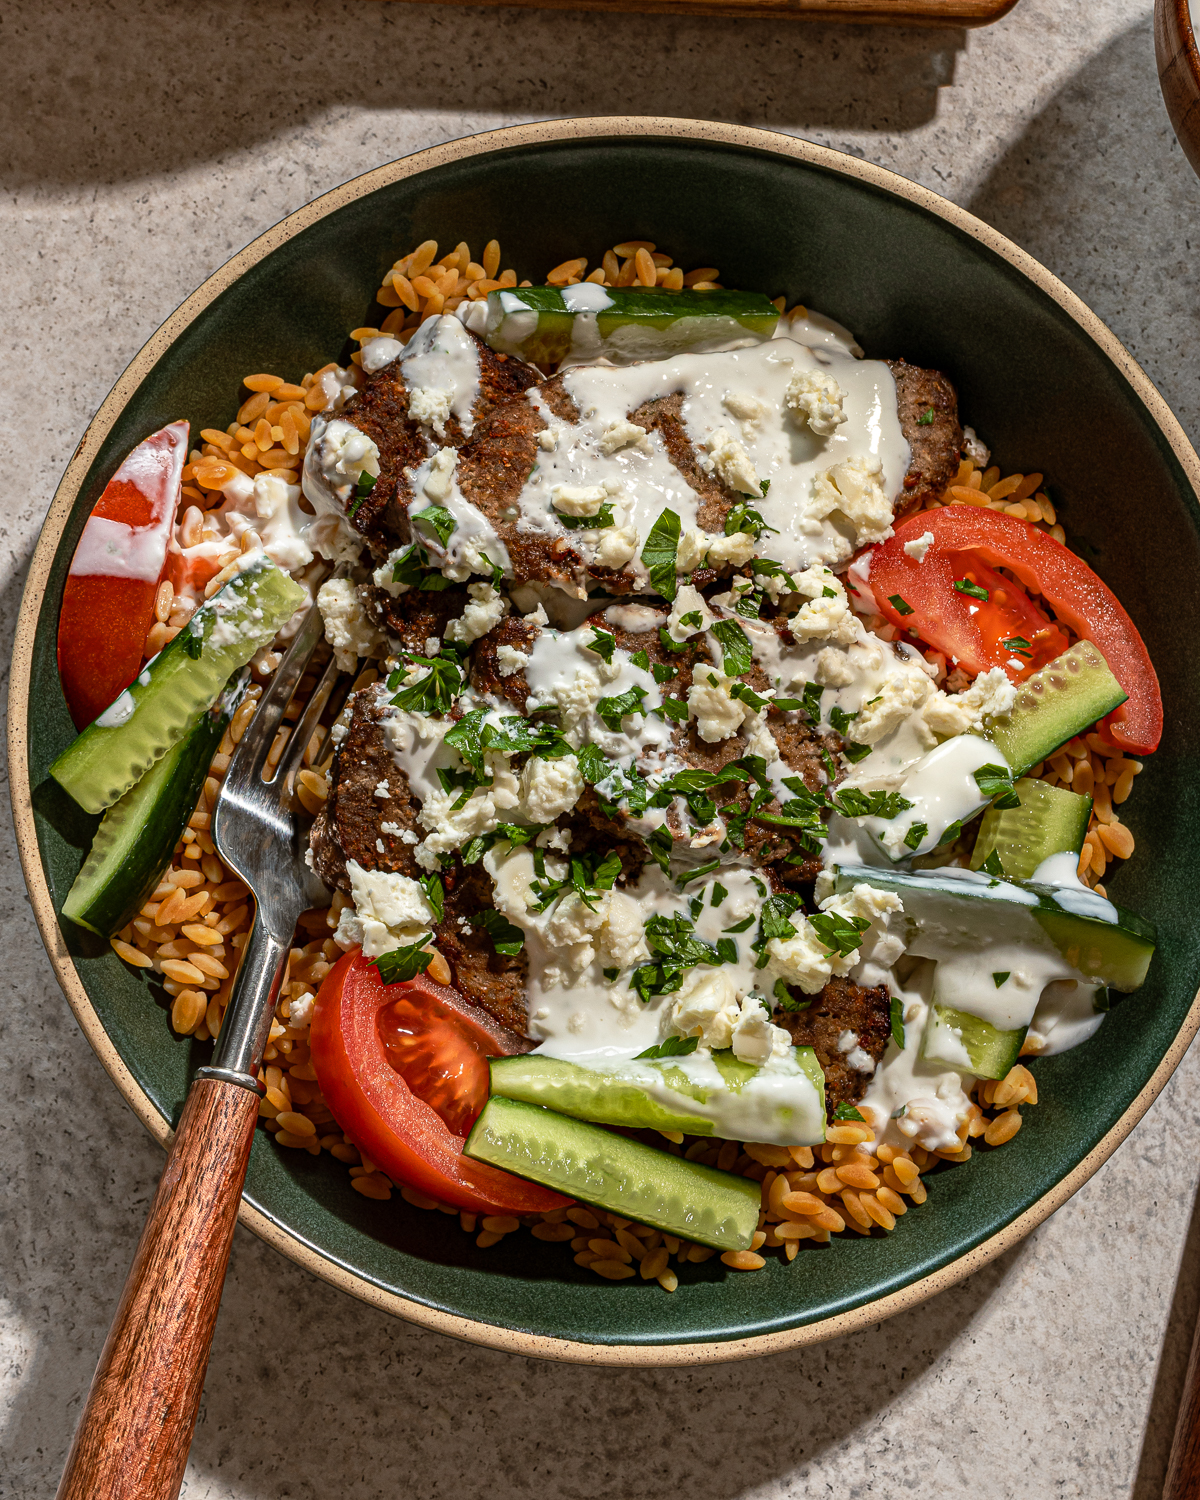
(827, 612)
(707, 1007)
(621, 435)
(441, 475)
(735, 549)
(578, 499)
(550, 787)
(547, 440)
(832, 668)
(622, 942)
(509, 660)
(383, 575)
(883, 941)
(901, 695)
(717, 715)
(856, 1058)
(801, 960)
(919, 546)
(853, 487)
(486, 609)
(693, 546)
(728, 459)
(991, 695)
(554, 838)
(745, 407)
(347, 628)
(573, 930)
(383, 790)
(480, 813)
(389, 911)
(975, 449)
(755, 1039)
(430, 405)
(617, 546)
(688, 601)
(815, 397)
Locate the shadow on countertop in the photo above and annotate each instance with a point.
(174, 83)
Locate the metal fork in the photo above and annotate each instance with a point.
(136, 1428)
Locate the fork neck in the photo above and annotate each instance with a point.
(247, 1023)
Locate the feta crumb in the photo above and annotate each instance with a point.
(550, 787)
(433, 644)
(755, 1038)
(827, 612)
(815, 397)
(347, 628)
(617, 546)
(622, 434)
(510, 661)
(883, 941)
(486, 609)
(728, 459)
(430, 405)
(707, 1007)
(717, 715)
(578, 499)
(745, 407)
(382, 789)
(688, 601)
(975, 449)
(735, 549)
(991, 695)
(441, 475)
(622, 936)
(832, 668)
(856, 1057)
(900, 696)
(389, 911)
(919, 546)
(547, 440)
(853, 487)
(801, 960)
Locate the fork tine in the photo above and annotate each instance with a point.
(293, 752)
(248, 759)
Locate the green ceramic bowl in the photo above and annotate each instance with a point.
(1045, 384)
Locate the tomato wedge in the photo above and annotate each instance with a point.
(404, 1069)
(108, 600)
(969, 543)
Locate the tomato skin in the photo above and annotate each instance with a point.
(108, 600)
(1079, 598)
(374, 1105)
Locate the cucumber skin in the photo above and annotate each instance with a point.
(551, 339)
(607, 1098)
(100, 766)
(1130, 940)
(1060, 818)
(596, 1166)
(1045, 715)
(992, 1051)
(163, 801)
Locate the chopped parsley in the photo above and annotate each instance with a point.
(965, 586)
(603, 644)
(366, 483)
(927, 419)
(719, 894)
(900, 604)
(851, 802)
(898, 1022)
(838, 933)
(738, 653)
(193, 643)
(414, 567)
(402, 964)
(855, 752)
(1019, 644)
(846, 1111)
(950, 834)
(993, 865)
(785, 1000)
(436, 521)
(602, 518)
(675, 947)
(674, 1046)
(699, 873)
(613, 710)
(641, 659)
(743, 517)
(672, 708)
(996, 781)
(435, 692)
(1001, 977)
(661, 552)
(840, 719)
(506, 939)
(434, 893)
(670, 643)
(912, 839)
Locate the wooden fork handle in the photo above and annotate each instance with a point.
(133, 1437)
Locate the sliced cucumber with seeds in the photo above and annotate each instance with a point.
(1050, 820)
(618, 1174)
(729, 1099)
(1053, 705)
(133, 844)
(545, 324)
(963, 1041)
(178, 686)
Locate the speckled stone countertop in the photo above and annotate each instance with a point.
(143, 144)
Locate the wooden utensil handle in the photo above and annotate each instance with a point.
(1183, 1468)
(133, 1437)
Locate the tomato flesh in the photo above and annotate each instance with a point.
(404, 1069)
(108, 600)
(973, 539)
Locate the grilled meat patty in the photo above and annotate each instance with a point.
(841, 1007)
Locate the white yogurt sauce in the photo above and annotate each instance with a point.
(118, 712)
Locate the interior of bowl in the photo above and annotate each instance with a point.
(1040, 391)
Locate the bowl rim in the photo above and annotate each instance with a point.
(515, 1340)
